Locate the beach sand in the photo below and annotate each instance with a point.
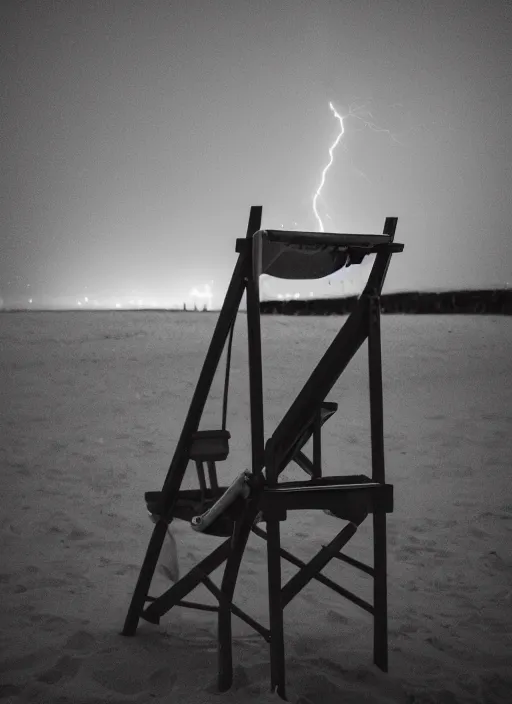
(92, 406)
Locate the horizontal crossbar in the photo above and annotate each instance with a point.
(342, 498)
(324, 238)
(195, 605)
(355, 563)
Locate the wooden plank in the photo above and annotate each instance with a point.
(320, 239)
(164, 603)
(264, 632)
(376, 396)
(355, 563)
(199, 607)
(304, 463)
(380, 597)
(226, 378)
(255, 368)
(237, 546)
(313, 567)
(212, 475)
(380, 265)
(144, 580)
(319, 577)
(317, 445)
(339, 499)
(276, 606)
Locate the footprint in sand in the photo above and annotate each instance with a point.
(48, 622)
(79, 534)
(162, 681)
(81, 641)
(439, 644)
(316, 687)
(9, 690)
(23, 662)
(335, 616)
(240, 680)
(123, 680)
(66, 667)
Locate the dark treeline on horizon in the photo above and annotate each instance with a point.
(490, 301)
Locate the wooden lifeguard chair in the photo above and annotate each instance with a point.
(257, 496)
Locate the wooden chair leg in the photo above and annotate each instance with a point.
(145, 576)
(238, 542)
(380, 633)
(202, 479)
(277, 660)
(212, 473)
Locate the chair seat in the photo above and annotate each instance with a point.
(191, 503)
(344, 496)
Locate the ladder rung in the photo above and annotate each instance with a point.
(355, 563)
(195, 605)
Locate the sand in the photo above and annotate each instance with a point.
(92, 406)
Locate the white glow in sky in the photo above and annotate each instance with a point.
(138, 135)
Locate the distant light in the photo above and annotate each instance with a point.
(30, 300)
(287, 295)
(118, 305)
(311, 293)
(78, 303)
(296, 295)
(280, 296)
(86, 299)
(204, 295)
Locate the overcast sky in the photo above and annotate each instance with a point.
(137, 134)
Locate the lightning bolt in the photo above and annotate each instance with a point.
(326, 168)
(361, 113)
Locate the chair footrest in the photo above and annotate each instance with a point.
(210, 445)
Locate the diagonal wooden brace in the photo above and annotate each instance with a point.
(317, 563)
(190, 581)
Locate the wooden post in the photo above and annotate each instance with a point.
(380, 633)
(255, 365)
(277, 659)
(317, 445)
(238, 542)
(144, 581)
(376, 398)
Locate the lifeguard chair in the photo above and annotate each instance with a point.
(257, 496)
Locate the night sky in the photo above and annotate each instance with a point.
(136, 135)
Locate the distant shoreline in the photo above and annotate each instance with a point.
(459, 302)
